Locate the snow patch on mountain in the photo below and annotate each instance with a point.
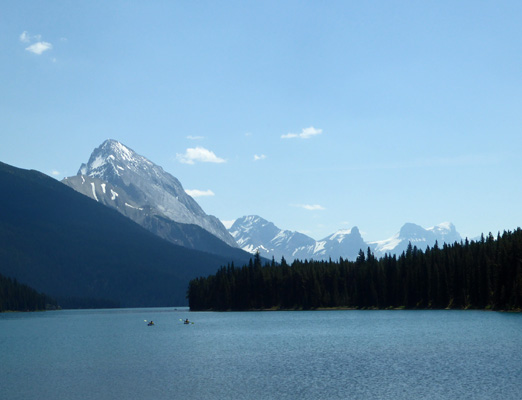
(388, 245)
(319, 247)
(94, 191)
(131, 206)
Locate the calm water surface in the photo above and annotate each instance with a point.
(113, 354)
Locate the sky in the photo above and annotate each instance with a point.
(315, 115)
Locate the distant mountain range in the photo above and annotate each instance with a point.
(120, 178)
(417, 236)
(253, 233)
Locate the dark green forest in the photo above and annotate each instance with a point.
(15, 296)
(483, 274)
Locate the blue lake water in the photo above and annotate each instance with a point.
(113, 354)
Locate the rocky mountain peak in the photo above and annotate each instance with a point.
(114, 159)
(412, 231)
(149, 187)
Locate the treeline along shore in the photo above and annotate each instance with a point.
(15, 296)
(482, 274)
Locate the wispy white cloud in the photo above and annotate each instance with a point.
(309, 207)
(25, 37)
(306, 133)
(55, 173)
(36, 48)
(190, 137)
(199, 193)
(39, 47)
(259, 157)
(198, 154)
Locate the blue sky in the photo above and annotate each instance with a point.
(315, 115)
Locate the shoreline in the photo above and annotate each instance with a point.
(361, 309)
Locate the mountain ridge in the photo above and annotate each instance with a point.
(149, 184)
(253, 233)
(118, 177)
(418, 236)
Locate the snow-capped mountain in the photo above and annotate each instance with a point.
(253, 233)
(345, 243)
(120, 178)
(417, 236)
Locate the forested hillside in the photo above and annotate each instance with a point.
(484, 274)
(85, 254)
(17, 297)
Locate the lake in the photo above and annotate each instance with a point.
(113, 354)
